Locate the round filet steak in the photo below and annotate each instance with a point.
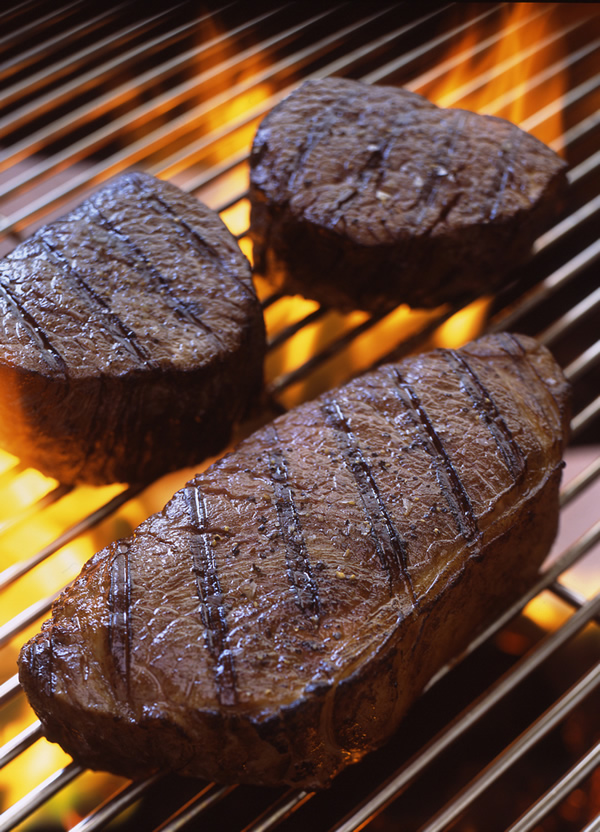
(367, 197)
(131, 339)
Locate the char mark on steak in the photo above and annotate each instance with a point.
(450, 483)
(123, 335)
(391, 547)
(212, 609)
(119, 625)
(488, 410)
(297, 557)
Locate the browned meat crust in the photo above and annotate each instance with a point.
(275, 621)
(131, 336)
(367, 197)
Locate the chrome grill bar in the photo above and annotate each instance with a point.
(290, 60)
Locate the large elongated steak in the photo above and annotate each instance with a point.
(366, 197)
(131, 336)
(274, 622)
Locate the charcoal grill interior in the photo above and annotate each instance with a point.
(508, 738)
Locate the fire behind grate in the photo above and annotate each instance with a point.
(509, 737)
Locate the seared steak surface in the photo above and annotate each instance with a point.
(131, 336)
(274, 622)
(367, 197)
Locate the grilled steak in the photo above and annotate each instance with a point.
(367, 197)
(131, 336)
(274, 622)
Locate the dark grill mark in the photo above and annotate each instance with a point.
(212, 608)
(180, 307)
(439, 170)
(488, 410)
(450, 483)
(119, 601)
(197, 241)
(111, 322)
(38, 335)
(391, 548)
(504, 174)
(296, 554)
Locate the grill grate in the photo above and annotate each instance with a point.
(179, 91)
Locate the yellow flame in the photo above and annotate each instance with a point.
(519, 74)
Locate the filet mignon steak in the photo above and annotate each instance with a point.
(131, 338)
(369, 196)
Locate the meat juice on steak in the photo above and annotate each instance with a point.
(131, 338)
(275, 621)
(370, 196)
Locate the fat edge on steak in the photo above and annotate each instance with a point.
(274, 622)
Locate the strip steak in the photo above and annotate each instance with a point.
(275, 621)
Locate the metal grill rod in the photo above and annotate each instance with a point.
(293, 800)
(116, 803)
(161, 103)
(586, 417)
(38, 796)
(142, 148)
(472, 714)
(546, 288)
(17, 570)
(44, 76)
(537, 731)
(53, 99)
(24, 8)
(457, 94)
(117, 95)
(561, 790)
(20, 743)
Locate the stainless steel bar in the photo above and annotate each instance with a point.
(17, 570)
(579, 483)
(331, 69)
(542, 726)
(25, 31)
(9, 689)
(573, 95)
(593, 826)
(559, 231)
(559, 792)
(576, 133)
(291, 329)
(279, 810)
(208, 797)
(564, 323)
(574, 599)
(389, 790)
(582, 363)
(160, 103)
(26, 617)
(156, 139)
(195, 183)
(458, 94)
(563, 275)
(20, 743)
(34, 509)
(125, 797)
(45, 75)
(90, 110)
(36, 797)
(569, 557)
(381, 74)
(57, 96)
(580, 422)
